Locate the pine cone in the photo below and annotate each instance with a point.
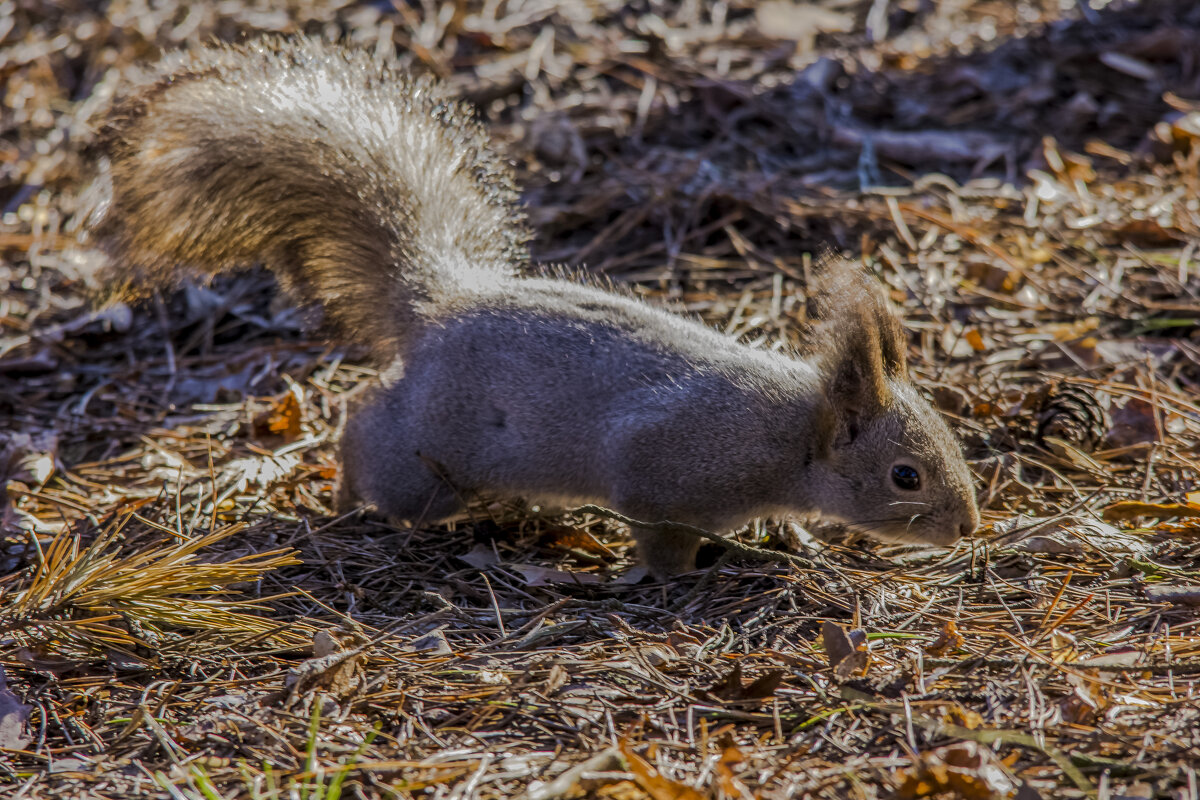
(1073, 414)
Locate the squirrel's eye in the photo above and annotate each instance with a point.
(906, 477)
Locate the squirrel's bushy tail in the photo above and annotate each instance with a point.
(363, 189)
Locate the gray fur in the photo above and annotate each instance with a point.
(380, 200)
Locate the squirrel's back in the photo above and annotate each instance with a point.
(361, 187)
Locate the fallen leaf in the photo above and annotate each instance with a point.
(1070, 535)
(283, 419)
(966, 769)
(658, 654)
(46, 661)
(995, 276)
(658, 786)
(847, 649)
(685, 643)
(1126, 510)
(577, 539)
(77, 766)
(543, 576)
(14, 718)
(335, 668)
(729, 784)
(1144, 233)
(1132, 422)
(433, 643)
(1113, 657)
(569, 782)
(28, 457)
(963, 717)
(948, 640)
(557, 679)
(480, 557)
(1175, 595)
(980, 410)
(1086, 702)
(1179, 529)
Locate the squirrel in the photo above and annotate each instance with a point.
(377, 196)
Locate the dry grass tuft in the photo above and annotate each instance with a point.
(78, 599)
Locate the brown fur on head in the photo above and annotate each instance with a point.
(894, 468)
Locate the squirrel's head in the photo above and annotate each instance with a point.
(891, 467)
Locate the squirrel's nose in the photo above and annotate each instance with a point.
(966, 529)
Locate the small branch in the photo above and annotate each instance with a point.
(732, 546)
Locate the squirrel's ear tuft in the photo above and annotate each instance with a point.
(843, 293)
(892, 342)
(856, 381)
(860, 340)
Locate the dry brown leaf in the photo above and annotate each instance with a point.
(1185, 130)
(658, 786)
(1180, 529)
(1144, 233)
(1126, 510)
(729, 784)
(28, 457)
(684, 642)
(335, 669)
(557, 679)
(967, 769)
(994, 275)
(847, 649)
(283, 419)
(577, 539)
(1087, 700)
(948, 640)
(983, 410)
(1133, 422)
(963, 717)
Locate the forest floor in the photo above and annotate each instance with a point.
(182, 615)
